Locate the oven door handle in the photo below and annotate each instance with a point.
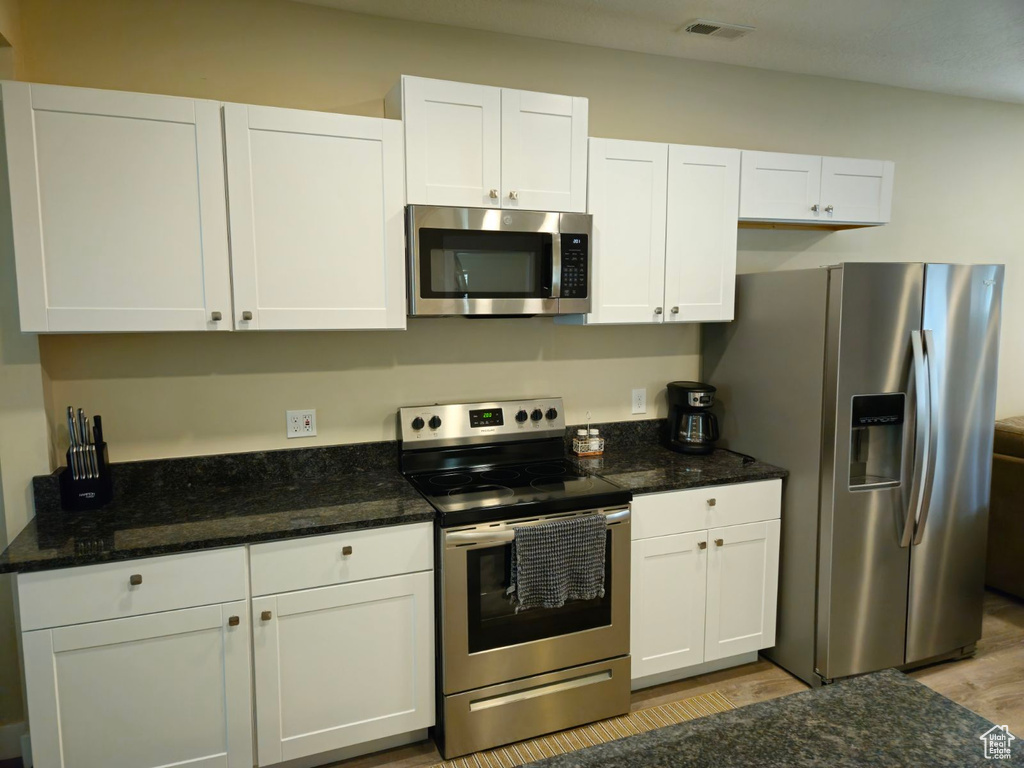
(502, 534)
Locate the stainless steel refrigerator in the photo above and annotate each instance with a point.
(874, 385)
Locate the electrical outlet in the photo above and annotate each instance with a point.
(301, 423)
(640, 400)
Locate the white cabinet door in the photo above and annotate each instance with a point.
(700, 245)
(667, 603)
(856, 191)
(157, 690)
(342, 665)
(627, 197)
(118, 210)
(453, 143)
(743, 578)
(317, 238)
(543, 151)
(777, 186)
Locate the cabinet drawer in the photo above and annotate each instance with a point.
(107, 591)
(318, 561)
(663, 514)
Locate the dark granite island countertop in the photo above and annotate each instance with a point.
(177, 505)
(635, 458)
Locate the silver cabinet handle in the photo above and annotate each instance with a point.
(657, 310)
(135, 579)
(247, 315)
(494, 194)
(702, 545)
(719, 542)
(829, 209)
(712, 502)
(675, 310)
(513, 195)
(814, 207)
(216, 317)
(346, 551)
(266, 616)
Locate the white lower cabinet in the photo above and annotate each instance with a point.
(704, 595)
(343, 665)
(155, 690)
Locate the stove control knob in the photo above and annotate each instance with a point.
(537, 414)
(435, 422)
(522, 416)
(552, 414)
(417, 423)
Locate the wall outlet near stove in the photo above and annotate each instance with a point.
(301, 423)
(640, 400)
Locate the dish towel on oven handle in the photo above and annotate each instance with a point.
(558, 561)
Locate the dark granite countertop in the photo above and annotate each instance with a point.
(634, 458)
(882, 720)
(177, 505)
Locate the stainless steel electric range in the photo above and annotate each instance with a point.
(506, 675)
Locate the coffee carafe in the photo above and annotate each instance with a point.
(692, 428)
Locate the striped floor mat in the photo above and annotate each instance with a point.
(641, 721)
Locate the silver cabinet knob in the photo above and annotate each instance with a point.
(702, 545)
(712, 502)
(494, 194)
(829, 209)
(657, 310)
(719, 542)
(815, 207)
(216, 317)
(346, 551)
(247, 315)
(675, 310)
(266, 616)
(513, 195)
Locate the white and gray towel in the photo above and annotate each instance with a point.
(558, 561)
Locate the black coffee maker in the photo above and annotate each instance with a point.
(692, 427)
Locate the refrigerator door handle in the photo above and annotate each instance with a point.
(922, 443)
(933, 443)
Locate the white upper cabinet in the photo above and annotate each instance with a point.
(118, 210)
(856, 190)
(317, 236)
(543, 151)
(700, 250)
(628, 202)
(480, 146)
(815, 190)
(665, 219)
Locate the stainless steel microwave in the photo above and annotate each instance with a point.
(480, 261)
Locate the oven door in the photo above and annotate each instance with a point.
(485, 641)
(470, 261)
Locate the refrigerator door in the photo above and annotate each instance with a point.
(947, 573)
(866, 472)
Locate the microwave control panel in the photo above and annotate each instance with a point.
(575, 277)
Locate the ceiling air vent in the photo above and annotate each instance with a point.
(717, 29)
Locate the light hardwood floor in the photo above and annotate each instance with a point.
(991, 683)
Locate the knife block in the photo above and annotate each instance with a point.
(87, 494)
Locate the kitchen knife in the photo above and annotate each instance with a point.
(73, 449)
(83, 441)
(90, 451)
(97, 433)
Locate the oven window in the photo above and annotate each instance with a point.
(493, 621)
(456, 264)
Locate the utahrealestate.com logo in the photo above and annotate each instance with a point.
(997, 742)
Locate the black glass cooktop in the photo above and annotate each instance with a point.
(472, 495)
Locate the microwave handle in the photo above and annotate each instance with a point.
(556, 265)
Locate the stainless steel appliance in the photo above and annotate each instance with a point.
(692, 427)
(874, 384)
(478, 262)
(506, 675)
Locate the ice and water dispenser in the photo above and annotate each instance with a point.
(876, 441)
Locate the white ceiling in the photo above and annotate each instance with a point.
(962, 47)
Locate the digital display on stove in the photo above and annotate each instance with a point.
(491, 417)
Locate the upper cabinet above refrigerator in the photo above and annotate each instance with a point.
(815, 190)
(479, 146)
(118, 210)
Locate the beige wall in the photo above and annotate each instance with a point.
(958, 168)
